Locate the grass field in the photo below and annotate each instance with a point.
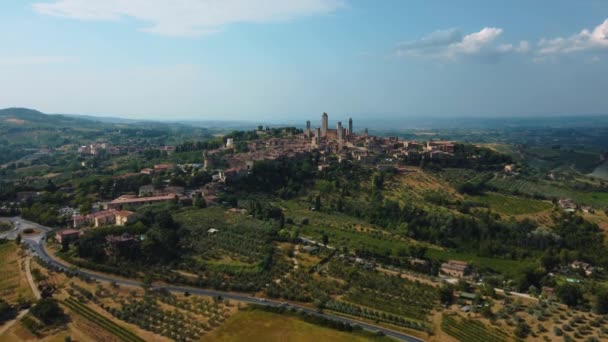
(254, 326)
(13, 282)
(511, 205)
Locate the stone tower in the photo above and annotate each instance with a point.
(339, 131)
(324, 124)
(308, 133)
(350, 126)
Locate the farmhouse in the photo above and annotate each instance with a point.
(456, 268)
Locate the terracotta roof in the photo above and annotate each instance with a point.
(68, 232)
(124, 200)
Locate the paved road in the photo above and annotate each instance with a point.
(36, 245)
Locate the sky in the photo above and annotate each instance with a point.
(292, 60)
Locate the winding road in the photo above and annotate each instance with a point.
(36, 245)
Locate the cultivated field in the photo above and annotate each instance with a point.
(13, 283)
(254, 326)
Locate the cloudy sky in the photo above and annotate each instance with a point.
(277, 59)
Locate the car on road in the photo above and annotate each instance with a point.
(263, 300)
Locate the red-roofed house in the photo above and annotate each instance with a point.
(67, 236)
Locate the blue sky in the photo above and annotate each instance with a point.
(277, 59)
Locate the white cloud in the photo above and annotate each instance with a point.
(187, 17)
(583, 41)
(474, 42)
(32, 60)
(451, 45)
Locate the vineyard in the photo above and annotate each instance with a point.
(376, 315)
(174, 324)
(383, 298)
(158, 312)
(238, 237)
(544, 189)
(468, 330)
(101, 321)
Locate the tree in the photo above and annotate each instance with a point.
(600, 304)
(446, 294)
(418, 251)
(318, 203)
(522, 330)
(325, 239)
(569, 294)
(6, 311)
(18, 239)
(48, 311)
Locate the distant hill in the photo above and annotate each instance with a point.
(16, 117)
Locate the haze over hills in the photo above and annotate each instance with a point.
(390, 123)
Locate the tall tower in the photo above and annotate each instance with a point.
(324, 124)
(340, 131)
(350, 126)
(318, 136)
(308, 133)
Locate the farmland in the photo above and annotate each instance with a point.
(466, 330)
(549, 190)
(115, 329)
(260, 326)
(510, 205)
(13, 284)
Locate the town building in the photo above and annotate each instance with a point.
(103, 218)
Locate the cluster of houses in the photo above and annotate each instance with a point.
(103, 218)
(96, 148)
(568, 205)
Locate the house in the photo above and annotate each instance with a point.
(122, 217)
(456, 268)
(163, 167)
(579, 265)
(510, 168)
(567, 204)
(67, 236)
(212, 231)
